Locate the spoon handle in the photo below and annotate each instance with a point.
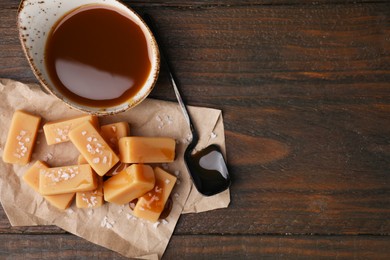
(149, 20)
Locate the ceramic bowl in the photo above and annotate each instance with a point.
(36, 18)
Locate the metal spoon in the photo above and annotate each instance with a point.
(207, 167)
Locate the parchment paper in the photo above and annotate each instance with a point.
(111, 226)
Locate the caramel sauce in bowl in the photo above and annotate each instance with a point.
(98, 56)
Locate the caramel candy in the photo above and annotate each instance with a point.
(21, 138)
(147, 149)
(113, 132)
(31, 177)
(129, 184)
(58, 131)
(93, 147)
(91, 199)
(150, 205)
(67, 179)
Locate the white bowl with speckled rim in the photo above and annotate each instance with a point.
(36, 18)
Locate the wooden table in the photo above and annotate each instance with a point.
(305, 92)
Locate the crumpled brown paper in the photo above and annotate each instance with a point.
(111, 226)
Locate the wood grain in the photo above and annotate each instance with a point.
(204, 247)
(212, 3)
(260, 247)
(305, 93)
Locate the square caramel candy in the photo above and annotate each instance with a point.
(150, 205)
(91, 199)
(113, 132)
(31, 177)
(67, 179)
(93, 147)
(136, 149)
(129, 184)
(58, 131)
(21, 138)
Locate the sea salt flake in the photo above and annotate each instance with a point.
(156, 224)
(84, 132)
(48, 157)
(167, 181)
(96, 160)
(105, 159)
(57, 140)
(158, 189)
(89, 139)
(107, 223)
(213, 135)
(164, 222)
(169, 119)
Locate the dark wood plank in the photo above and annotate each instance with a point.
(204, 247)
(213, 3)
(61, 246)
(260, 247)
